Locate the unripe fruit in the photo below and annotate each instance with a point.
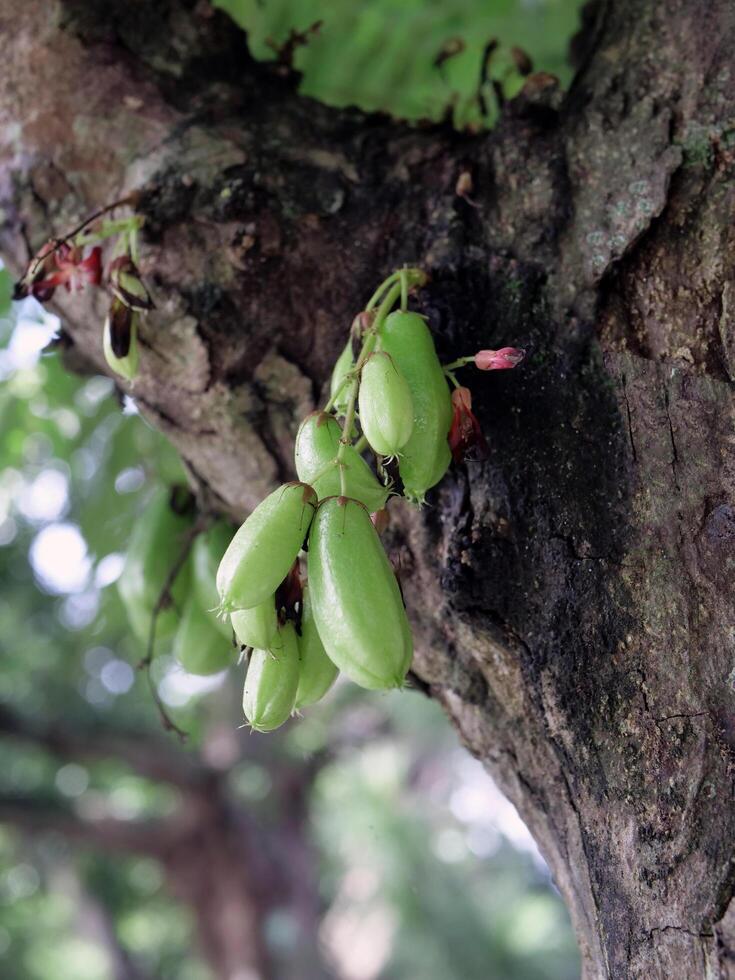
(318, 673)
(271, 682)
(426, 456)
(256, 627)
(317, 442)
(386, 406)
(155, 546)
(197, 646)
(126, 367)
(355, 598)
(345, 362)
(264, 549)
(206, 554)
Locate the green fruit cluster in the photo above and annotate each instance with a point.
(349, 615)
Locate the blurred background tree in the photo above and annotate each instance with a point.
(359, 842)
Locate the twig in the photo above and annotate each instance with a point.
(57, 242)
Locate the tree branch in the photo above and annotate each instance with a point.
(148, 755)
(30, 814)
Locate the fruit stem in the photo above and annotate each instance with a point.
(373, 301)
(460, 362)
(412, 277)
(337, 392)
(450, 374)
(55, 243)
(109, 228)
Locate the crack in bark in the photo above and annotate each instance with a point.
(688, 932)
(675, 454)
(629, 418)
(698, 714)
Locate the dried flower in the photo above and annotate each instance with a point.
(120, 319)
(60, 265)
(465, 432)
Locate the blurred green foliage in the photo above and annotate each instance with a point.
(381, 54)
(424, 871)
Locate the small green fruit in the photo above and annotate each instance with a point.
(264, 549)
(317, 442)
(386, 406)
(271, 682)
(155, 546)
(426, 455)
(318, 673)
(357, 605)
(256, 627)
(206, 554)
(197, 646)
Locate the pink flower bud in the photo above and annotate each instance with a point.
(499, 360)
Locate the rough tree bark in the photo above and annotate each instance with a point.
(573, 594)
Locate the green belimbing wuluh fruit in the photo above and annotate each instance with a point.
(264, 549)
(257, 626)
(317, 444)
(426, 456)
(206, 554)
(318, 672)
(271, 682)
(357, 605)
(198, 647)
(156, 544)
(386, 406)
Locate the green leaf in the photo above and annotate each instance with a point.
(6, 291)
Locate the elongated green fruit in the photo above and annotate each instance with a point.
(345, 362)
(155, 546)
(198, 647)
(206, 554)
(317, 442)
(271, 682)
(318, 673)
(426, 456)
(256, 627)
(386, 405)
(355, 598)
(264, 549)
(126, 367)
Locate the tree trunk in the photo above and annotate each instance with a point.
(572, 595)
